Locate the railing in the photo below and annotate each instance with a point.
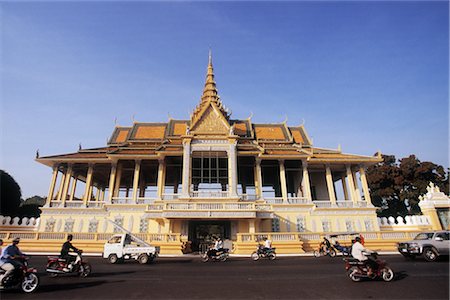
(56, 203)
(210, 210)
(209, 194)
(298, 200)
(248, 197)
(273, 236)
(201, 206)
(406, 221)
(129, 200)
(122, 200)
(274, 200)
(143, 200)
(170, 196)
(340, 204)
(86, 236)
(95, 204)
(74, 204)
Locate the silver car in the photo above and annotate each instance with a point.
(429, 244)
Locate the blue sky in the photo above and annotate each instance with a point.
(367, 75)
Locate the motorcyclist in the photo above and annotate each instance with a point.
(8, 267)
(325, 245)
(358, 253)
(267, 244)
(67, 254)
(218, 245)
(10, 256)
(213, 250)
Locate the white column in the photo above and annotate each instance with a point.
(51, 190)
(258, 178)
(186, 169)
(351, 183)
(73, 188)
(355, 183)
(112, 178)
(344, 188)
(251, 226)
(87, 191)
(305, 181)
(284, 193)
(161, 177)
(66, 184)
(232, 171)
(118, 179)
(365, 186)
(330, 185)
(61, 186)
(137, 170)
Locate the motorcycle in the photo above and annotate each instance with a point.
(219, 255)
(357, 269)
(346, 251)
(262, 252)
(23, 277)
(329, 251)
(57, 266)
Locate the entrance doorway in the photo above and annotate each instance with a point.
(202, 233)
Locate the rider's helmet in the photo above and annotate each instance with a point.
(69, 237)
(358, 239)
(16, 240)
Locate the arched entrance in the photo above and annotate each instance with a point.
(203, 233)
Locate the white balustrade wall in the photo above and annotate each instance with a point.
(22, 223)
(403, 222)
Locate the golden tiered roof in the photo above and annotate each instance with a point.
(210, 119)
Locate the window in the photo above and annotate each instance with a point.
(118, 221)
(50, 225)
(424, 236)
(143, 225)
(443, 235)
(275, 224)
(326, 226)
(210, 167)
(68, 226)
(300, 224)
(368, 225)
(349, 226)
(93, 225)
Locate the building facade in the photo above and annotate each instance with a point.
(210, 175)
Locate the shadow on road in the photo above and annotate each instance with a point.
(400, 275)
(177, 261)
(106, 274)
(71, 286)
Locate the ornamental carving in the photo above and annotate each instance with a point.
(211, 123)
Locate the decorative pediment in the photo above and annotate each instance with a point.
(211, 121)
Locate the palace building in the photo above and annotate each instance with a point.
(206, 176)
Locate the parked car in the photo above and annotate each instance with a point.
(430, 244)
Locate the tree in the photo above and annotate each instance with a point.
(30, 207)
(10, 195)
(396, 186)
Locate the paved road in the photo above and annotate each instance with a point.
(240, 278)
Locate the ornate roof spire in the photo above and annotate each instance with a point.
(210, 90)
(210, 95)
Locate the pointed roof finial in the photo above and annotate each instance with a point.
(210, 56)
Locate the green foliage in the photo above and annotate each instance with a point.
(11, 203)
(396, 186)
(10, 195)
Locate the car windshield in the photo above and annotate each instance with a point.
(424, 236)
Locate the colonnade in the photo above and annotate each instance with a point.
(68, 181)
